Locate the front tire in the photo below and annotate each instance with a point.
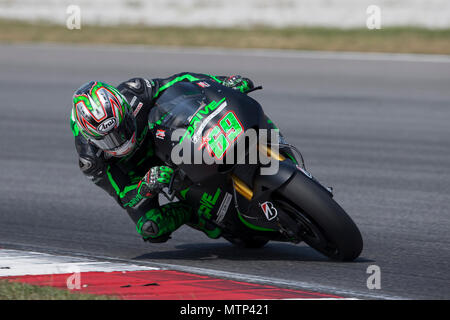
(324, 225)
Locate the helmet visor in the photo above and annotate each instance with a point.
(121, 140)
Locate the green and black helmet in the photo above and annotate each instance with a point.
(105, 118)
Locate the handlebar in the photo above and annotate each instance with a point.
(254, 89)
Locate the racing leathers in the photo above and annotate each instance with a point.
(131, 180)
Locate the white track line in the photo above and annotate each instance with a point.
(19, 263)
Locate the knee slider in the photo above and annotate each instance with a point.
(149, 229)
(150, 232)
(147, 226)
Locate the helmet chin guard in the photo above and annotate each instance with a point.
(124, 149)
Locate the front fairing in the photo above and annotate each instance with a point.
(187, 113)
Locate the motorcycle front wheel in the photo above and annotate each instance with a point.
(323, 224)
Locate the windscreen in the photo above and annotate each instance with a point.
(176, 106)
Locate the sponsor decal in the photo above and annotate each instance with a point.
(223, 207)
(199, 118)
(107, 125)
(133, 101)
(202, 126)
(203, 84)
(134, 202)
(207, 203)
(138, 108)
(269, 210)
(220, 138)
(160, 134)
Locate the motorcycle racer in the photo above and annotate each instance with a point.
(110, 126)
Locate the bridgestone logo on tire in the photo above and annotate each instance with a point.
(269, 210)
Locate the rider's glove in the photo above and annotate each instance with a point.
(239, 83)
(154, 181)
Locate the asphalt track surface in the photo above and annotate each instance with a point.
(375, 127)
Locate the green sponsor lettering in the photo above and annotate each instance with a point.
(134, 201)
(207, 203)
(197, 118)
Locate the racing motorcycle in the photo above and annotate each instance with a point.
(249, 207)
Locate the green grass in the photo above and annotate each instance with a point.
(22, 291)
(404, 39)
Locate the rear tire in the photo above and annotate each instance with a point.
(325, 226)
